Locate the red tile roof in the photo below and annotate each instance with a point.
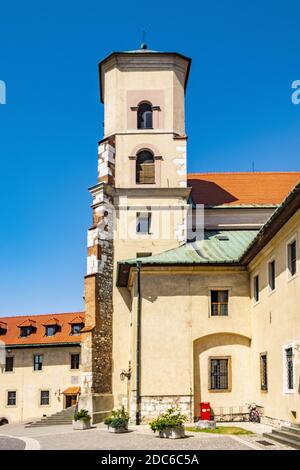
(233, 189)
(13, 324)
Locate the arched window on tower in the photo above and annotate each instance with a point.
(145, 168)
(144, 116)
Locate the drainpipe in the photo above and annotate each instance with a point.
(138, 345)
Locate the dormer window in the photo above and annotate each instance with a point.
(52, 326)
(145, 168)
(25, 331)
(144, 116)
(27, 327)
(50, 330)
(75, 328)
(3, 328)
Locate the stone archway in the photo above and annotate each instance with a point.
(220, 344)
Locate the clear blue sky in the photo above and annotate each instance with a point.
(245, 57)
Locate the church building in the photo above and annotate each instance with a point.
(192, 291)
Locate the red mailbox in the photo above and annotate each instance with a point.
(205, 410)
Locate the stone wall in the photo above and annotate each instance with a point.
(152, 406)
(96, 379)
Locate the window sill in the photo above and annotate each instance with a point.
(291, 278)
(271, 292)
(220, 391)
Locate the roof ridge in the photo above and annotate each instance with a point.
(244, 173)
(29, 315)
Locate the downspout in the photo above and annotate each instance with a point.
(138, 345)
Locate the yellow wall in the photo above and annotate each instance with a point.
(56, 375)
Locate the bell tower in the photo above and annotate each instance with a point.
(139, 206)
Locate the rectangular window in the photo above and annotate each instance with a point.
(9, 364)
(74, 361)
(292, 258)
(256, 288)
(38, 362)
(219, 303)
(263, 372)
(76, 328)
(219, 374)
(143, 222)
(25, 331)
(272, 274)
(45, 397)
(11, 398)
(289, 369)
(50, 330)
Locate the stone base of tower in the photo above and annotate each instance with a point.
(99, 405)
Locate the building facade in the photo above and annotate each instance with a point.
(175, 316)
(192, 288)
(40, 365)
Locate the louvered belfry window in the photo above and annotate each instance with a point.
(145, 168)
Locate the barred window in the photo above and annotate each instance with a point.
(219, 303)
(289, 368)
(45, 397)
(11, 398)
(219, 374)
(263, 372)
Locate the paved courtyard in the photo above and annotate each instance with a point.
(98, 438)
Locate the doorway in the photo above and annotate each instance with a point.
(71, 400)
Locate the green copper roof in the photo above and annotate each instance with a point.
(225, 246)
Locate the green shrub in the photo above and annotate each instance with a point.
(82, 415)
(117, 419)
(171, 418)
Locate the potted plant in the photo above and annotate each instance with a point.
(117, 421)
(169, 424)
(82, 420)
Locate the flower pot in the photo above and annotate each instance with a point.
(81, 424)
(172, 433)
(118, 430)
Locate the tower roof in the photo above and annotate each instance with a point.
(141, 52)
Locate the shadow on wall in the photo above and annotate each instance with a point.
(208, 342)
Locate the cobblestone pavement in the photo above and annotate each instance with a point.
(8, 443)
(98, 438)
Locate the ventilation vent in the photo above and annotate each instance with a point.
(223, 238)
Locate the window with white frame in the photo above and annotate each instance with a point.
(289, 369)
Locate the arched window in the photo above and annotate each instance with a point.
(144, 116)
(145, 168)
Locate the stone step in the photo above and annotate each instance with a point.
(292, 429)
(283, 439)
(40, 424)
